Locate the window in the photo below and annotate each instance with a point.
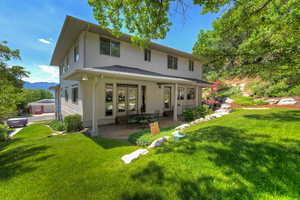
(115, 49)
(66, 95)
(108, 100)
(172, 62)
(191, 65)
(110, 48)
(76, 52)
(104, 46)
(180, 93)
(147, 55)
(67, 66)
(190, 93)
(74, 94)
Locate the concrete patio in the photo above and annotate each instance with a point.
(122, 131)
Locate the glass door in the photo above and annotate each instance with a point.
(132, 99)
(127, 99)
(122, 101)
(167, 98)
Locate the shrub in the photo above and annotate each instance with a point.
(191, 114)
(135, 136)
(57, 125)
(73, 123)
(3, 132)
(144, 138)
(295, 90)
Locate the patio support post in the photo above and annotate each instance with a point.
(197, 96)
(94, 117)
(175, 102)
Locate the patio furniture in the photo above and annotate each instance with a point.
(144, 118)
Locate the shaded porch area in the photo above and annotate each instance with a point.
(122, 131)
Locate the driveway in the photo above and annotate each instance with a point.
(42, 117)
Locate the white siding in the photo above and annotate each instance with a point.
(133, 56)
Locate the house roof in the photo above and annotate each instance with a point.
(42, 102)
(132, 70)
(125, 71)
(73, 27)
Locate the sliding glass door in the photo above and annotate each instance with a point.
(127, 99)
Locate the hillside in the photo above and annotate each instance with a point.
(39, 85)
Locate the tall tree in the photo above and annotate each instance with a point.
(10, 81)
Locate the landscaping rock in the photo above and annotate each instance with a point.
(128, 158)
(175, 133)
(287, 101)
(225, 106)
(158, 142)
(183, 126)
(272, 101)
(228, 100)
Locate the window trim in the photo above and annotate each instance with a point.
(66, 95)
(191, 65)
(147, 55)
(173, 64)
(110, 47)
(76, 52)
(76, 101)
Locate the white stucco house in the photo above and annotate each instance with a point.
(103, 77)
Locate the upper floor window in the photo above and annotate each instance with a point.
(172, 62)
(76, 52)
(147, 55)
(109, 47)
(191, 65)
(75, 94)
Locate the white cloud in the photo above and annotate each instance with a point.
(44, 41)
(53, 71)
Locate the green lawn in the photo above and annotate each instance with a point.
(249, 154)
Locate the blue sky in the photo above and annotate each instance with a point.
(33, 26)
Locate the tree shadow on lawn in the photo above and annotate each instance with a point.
(288, 116)
(267, 167)
(20, 160)
(109, 143)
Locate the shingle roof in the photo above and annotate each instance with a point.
(132, 70)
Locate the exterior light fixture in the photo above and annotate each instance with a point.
(85, 77)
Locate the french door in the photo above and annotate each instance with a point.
(127, 96)
(167, 98)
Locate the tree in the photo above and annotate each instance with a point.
(10, 81)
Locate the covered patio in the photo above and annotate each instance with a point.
(115, 91)
(122, 131)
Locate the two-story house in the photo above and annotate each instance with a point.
(103, 77)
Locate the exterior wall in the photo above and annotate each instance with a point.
(133, 56)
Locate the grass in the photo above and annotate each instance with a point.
(249, 154)
(247, 101)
